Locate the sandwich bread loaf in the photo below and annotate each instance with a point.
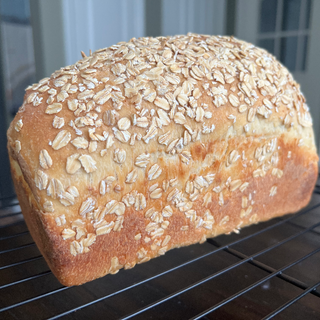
(154, 144)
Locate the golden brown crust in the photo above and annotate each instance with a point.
(169, 141)
(96, 263)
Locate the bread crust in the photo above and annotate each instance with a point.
(93, 208)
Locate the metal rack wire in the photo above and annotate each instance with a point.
(269, 270)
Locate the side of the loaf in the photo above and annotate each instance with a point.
(284, 190)
(158, 143)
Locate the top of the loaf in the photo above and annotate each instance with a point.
(103, 121)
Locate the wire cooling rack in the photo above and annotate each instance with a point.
(269, 270)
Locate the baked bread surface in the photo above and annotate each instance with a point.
(158, 143)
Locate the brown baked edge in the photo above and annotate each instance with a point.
(301, 171)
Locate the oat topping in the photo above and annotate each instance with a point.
(87, 206)
(61, 139)
(19, 125)
(154, 172)
(55, 188)
(45, 159)
(245, 212)
(156, 194)
(48, 206)
(132, 176)
(68, 233)
(185, 157)
(273, 191)
(235, 184)
(162, 103)
(54, 108)
(142, 160)
(80, 143)
(124, 123)
(41, 180)
(119, 156)
(243, 186)
(172, 93)
(73, 164)
(58, 122)
(73, 191)
(88, 164)
(167, 212)
(17, 146)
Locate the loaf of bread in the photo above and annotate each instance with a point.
(154, 144)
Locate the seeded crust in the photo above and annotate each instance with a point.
(155, 144)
